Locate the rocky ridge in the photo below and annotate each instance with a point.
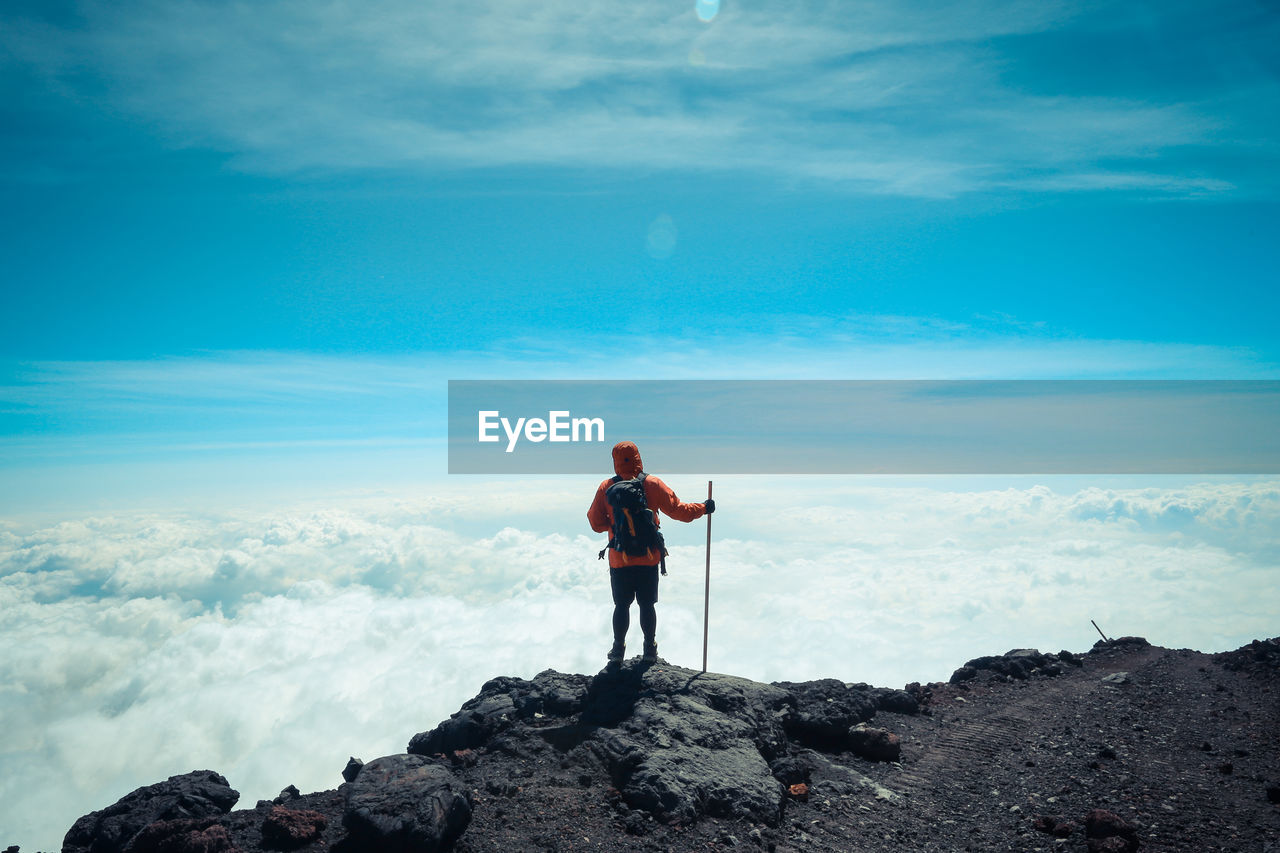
(1126, 747)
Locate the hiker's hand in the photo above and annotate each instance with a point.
(710, 506)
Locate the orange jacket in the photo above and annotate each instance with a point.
(657, 494)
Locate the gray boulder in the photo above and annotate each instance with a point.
(199, 794)
(404, 804)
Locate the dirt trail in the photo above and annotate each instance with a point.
(1179, 748)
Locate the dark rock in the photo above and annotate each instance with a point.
(1119, 644)
(463, 758)
(352, 770)
(964, 673)
(896, 701)
(1070, 658)
(478, 721)
(195, 835)
(199, 794)
(1108, 831)
(1017, 663)
(1258, 656)
(693, 743)
(791, 770)
(1055, 826)
(1107, 753)
(405, 804)
(285, 829)
(825, 710)
(502, 702)
(289, 792)
(874, 744)
(1273, 794)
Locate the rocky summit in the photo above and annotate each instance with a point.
(1126, 747)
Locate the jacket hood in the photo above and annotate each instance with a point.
(626, 460)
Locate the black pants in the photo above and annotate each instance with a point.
(634, 583)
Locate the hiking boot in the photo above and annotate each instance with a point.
(617, 652)
(650, 651)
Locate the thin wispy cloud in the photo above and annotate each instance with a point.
(876, 98)
(263, 397)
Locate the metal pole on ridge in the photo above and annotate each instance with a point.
(706, 593)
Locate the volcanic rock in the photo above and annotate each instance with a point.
(352, 770)
(1120, 644)
(199, 794)
(825, 710)
(1017, 663)
(1257, 656)
(693, 743)
(561, 762)
(1107, 831)
(502, 702)
(197, 835)
(287, 793)
(285, 829)
(405, 804)
(874, 744)
(896, 701)
(1055, 826)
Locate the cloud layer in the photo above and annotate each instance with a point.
(270, 645)
(929, 100)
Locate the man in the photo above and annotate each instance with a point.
(635, 578)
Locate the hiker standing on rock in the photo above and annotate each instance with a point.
(626, 506)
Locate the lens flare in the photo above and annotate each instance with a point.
(706, 9)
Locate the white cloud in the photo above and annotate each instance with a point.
(271, 644)
(877, 97)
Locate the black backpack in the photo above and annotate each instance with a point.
(635, 528)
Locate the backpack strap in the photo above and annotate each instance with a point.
(616, 478)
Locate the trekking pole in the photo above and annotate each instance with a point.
(706, 593)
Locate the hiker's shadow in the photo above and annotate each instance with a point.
(614, 692)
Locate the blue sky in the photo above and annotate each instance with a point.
(202, 197)
(244, 247)
(189, 177)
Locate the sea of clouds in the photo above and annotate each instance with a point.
(271, 644)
